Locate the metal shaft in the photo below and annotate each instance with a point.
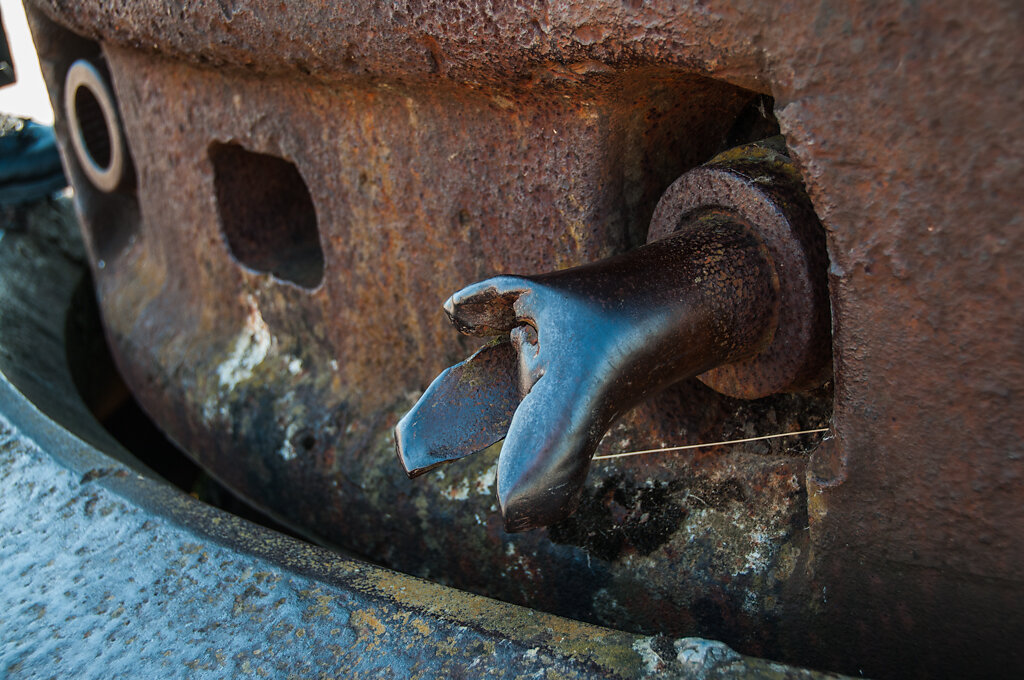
(590, 343)
(731, 288)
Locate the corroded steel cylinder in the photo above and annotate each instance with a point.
(734, 281)
(759, 186)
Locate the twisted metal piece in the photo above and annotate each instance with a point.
(577, 348)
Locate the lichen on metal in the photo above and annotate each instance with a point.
(730, 287)
(110, 572)
(445, 143)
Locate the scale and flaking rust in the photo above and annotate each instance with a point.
(306, 183)
(730, 288)
(111, 572)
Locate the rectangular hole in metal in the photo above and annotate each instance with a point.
(267, 215)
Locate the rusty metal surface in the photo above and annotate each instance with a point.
(289, 396)
(556, 129)
(109, 572)
(759, 185)
(607, 336)
(728, 277)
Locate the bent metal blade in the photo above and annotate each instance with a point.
(466, 409)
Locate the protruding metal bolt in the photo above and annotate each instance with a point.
(759, 186)
(588, 343)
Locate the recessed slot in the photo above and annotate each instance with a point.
(267, 215)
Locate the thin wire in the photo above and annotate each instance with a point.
(704, 446)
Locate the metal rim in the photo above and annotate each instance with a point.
(85, 81)
(797, 356)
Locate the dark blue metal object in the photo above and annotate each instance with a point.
(733, 276)
(443, 142)
(466, 409)
(109, 572)
(607, 336)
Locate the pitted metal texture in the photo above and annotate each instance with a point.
(727, 278)
(447, 143)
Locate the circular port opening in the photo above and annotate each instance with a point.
(95, 133)
(93, 126)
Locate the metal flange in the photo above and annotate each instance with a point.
(94, 126)
(759, 186)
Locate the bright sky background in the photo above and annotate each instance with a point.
(27, 97)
